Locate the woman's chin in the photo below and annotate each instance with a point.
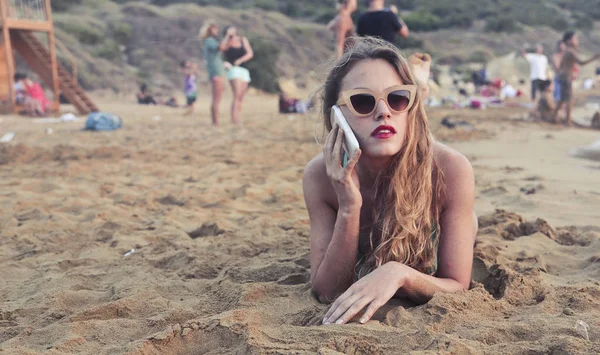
(385, 153)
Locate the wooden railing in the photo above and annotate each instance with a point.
(31, 10)
(70, 55)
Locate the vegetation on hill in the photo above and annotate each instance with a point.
(121, 43)
(425, 15)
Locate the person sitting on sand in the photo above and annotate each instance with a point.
(144, 97)
(398, 219)
(31, 106)
(546, 104)
(342, 25)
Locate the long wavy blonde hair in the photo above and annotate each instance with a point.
(409, 192)
(204, 32)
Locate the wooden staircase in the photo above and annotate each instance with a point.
(35, 54)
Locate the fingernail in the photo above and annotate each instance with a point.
(325, 321)
(339, 321)
(363, 320)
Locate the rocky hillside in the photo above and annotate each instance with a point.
(119, 45)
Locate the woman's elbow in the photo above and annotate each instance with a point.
(322, 293)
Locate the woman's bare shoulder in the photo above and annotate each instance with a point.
(453, 164)
(316, 181)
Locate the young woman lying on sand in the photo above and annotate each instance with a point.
(398, 220)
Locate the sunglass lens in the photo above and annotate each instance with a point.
(363, 103)
(399, 99)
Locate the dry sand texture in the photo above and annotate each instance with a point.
(220, 232)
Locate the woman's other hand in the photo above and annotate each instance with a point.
(372, 291)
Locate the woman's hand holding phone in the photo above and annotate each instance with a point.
(343, 178)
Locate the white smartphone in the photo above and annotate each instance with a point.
(350, 141)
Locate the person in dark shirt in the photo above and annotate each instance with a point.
(381, 22)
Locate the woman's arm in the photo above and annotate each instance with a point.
(340, 37)
(224, 45)
(249, 53)
(458, 227)
(333, 237)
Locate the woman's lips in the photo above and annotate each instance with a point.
(383, 132)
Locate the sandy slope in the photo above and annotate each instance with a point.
(75, 202)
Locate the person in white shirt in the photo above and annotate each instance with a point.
(538, 64)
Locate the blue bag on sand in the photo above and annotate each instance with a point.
(102, 121)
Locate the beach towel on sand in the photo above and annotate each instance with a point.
(102, 121)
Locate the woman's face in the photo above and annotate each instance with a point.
(562, 47)
(382, 133)
(214, 31)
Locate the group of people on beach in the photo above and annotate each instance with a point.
(558, 92)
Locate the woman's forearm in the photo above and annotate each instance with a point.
(420, 287)
(243, 59)
(336, 272)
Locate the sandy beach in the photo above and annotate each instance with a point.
(171, 236)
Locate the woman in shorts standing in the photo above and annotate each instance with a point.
(236, 52)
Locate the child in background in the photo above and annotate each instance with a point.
(190, 70)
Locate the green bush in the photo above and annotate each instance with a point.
(263, 66)
(63, 5)
(480, 56)
(85, 33)
(108, 50)
(121, 32)
(501, 24)
(269, 5)
(422, 21)
(410, 42)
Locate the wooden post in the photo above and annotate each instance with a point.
(10, 62)
(53, 62)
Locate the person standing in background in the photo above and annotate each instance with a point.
(214, 65)
(568, 66)
(538, 64)
(556, 59)
(381, 22)
(342, 25)
(236, 51)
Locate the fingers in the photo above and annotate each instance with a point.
(329, 143)
(353, 310)
(353, 160)
(337, 148)
(373, 307)
(342, 306)
(336, 304)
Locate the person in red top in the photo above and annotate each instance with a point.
(36, 92)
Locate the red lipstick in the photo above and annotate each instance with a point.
(383, 132)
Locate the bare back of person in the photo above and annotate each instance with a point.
(568, 63)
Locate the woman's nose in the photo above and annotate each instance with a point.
(382, 111)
